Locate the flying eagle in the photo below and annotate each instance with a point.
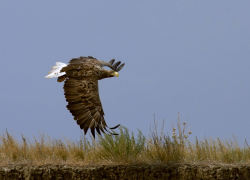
(81, 90)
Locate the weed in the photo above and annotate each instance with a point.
(126, 148)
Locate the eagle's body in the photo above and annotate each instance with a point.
(81, 90)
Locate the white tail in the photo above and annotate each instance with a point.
(55, 72)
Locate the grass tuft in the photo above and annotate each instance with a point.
(126, 148)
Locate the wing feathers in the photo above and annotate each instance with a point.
(84, 121)
(74, 106)
(120, 67)
(114, 127)
(111, 61)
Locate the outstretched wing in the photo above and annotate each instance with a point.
(84, 103)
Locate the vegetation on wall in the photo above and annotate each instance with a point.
(126, 148)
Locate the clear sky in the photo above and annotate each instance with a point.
(191, 57)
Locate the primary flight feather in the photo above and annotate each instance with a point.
(81, 77)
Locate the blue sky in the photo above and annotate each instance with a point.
(191, 57)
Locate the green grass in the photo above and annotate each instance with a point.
(126, 148)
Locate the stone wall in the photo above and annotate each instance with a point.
(119, 172)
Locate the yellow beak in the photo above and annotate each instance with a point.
(116, 74)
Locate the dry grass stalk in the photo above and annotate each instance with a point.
(159, 148)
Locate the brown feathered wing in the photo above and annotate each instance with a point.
(84, 103)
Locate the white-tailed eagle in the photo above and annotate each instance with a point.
(81, 77)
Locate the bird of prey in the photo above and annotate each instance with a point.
(81, 77)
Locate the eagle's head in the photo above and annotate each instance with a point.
(111, 73)
(108, 74)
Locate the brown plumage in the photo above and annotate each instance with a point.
(82, 94)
